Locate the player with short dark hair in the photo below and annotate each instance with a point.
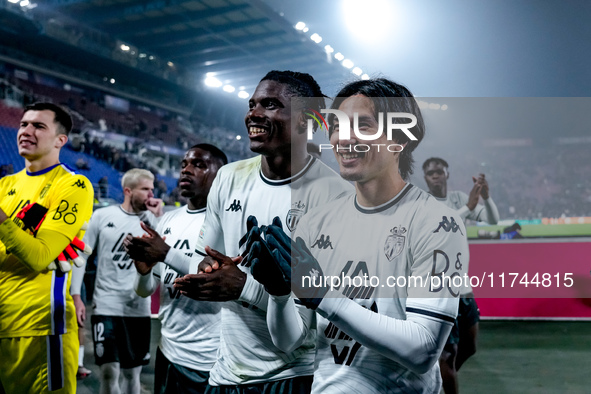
(283, 181)
(372, 338)
(190, 329)
(461, 343)
(42, 211)
(121, 319)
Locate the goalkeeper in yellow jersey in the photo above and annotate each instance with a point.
(42, 211)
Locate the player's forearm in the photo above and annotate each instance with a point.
(285, 323)
(254, 293)
(34, 252)
(145, 285)
(491, 210)
(180, 262)
(77, 279)
(415, 343)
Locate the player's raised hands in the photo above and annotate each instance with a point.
(474, 194)
(149, 249)
(223, 283)
(484, 183)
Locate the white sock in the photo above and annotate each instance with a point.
(81, 355)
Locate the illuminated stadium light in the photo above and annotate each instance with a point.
(328, 49)
(171, 64)
(357, 71)
(238, 137)
(243, 94)
(124, 47)
(142, 55)
(151, 57)
(444, 107)
(316, 38)
(13, 1)
(229, 88)
(365, 77)
(339, 56)
(305, 30)
(112, 80)
(213, 82)
(300, 26)
(347, 63)
(25, 3)
(368, 20)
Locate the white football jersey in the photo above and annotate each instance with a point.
(114, 294)
(457, 199)
(411, 235)
(247, 354)
(190, 329)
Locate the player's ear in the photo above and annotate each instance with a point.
(302, 122)
(61, 140)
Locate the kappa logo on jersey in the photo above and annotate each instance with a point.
(12, 192)
(294, 215)
(448, 226)
(323, 243)
(80, 184)
(235, 206)
(167, 231)
(395, 242)
(110, 224)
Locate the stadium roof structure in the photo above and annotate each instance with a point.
(235, 41)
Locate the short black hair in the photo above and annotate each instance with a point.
(300, 85)
(62, 116)
(436, 160)
(381, 91)
(214, 150)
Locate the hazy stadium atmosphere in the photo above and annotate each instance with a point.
(504, 88)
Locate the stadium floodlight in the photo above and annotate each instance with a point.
(112, 80)
(328, 49)
(300, 26)
(151, 57)
(213, 82)
(357, 71)
(243, 94)
(238, 137)
(142, 55)
(339, 56)
(316, 38)
(305, 29)
(368, 20)
(171, 64)
(365, 76)
(25, 3)
(229, 88)
(444, 107)
(124, 47)
(13, 1)
(347, 63)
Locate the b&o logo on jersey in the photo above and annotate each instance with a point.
(294, 215)
(395, 242)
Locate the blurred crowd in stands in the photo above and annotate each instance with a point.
(526, 182)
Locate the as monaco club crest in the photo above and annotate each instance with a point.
(294, 215)
(395, 242)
